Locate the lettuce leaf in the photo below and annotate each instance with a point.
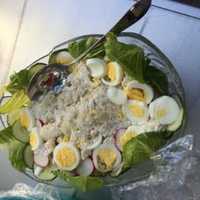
(19, 81)
(141, 147)
(16, 155)
(83, 183)
(135, 63)
(78, 47)
(6, 136)
(17, 100)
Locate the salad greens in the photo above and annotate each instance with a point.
(6, 136)
(16, 155)
(83, 183)
(19, 81)
(78, 47)
(141, 147)
(135, 63)
(17, 100)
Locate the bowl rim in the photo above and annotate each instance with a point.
(123, 34)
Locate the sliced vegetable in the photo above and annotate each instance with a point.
(83, 183)
(20, 133)
(46, 174)
(41, 158)
(18, 100)
(177, 124)
(28, 156)
(85, 168)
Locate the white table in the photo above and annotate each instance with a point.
(30, 28)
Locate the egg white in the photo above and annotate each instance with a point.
(165, 110)
(135, 117)
(97, 67)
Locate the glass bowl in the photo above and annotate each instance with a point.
(176, 90)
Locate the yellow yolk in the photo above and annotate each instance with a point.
(96, 82)
(66, 138)
(66, 157)
(33, 140)
(108, 157)
(111, 71)
(126, 137)
(134, 93)
(24, 119)
(161, 113)
(136, 110)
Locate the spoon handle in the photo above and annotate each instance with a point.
(136, 12)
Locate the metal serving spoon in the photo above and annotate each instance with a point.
(54, 75)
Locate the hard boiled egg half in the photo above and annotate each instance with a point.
(165, 110)
(35, 139)
(97, 67)
(114, 74)
(136, 111)
(106, 157)
(116, 96)
(66, 156)
(63, 57)
(26, 119)
(139, 91)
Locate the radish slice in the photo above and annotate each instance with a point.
(41, 157)
(85, 168)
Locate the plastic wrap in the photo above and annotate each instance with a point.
(175, 177)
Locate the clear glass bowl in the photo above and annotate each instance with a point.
(175, 89)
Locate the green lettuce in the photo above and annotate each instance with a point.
(16, 155)
(78, 47)
(135, 63)
(141, 147)
(83, 183)
(17, 100)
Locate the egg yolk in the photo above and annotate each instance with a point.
(66, 157)
(136, 110)
(66, 138)
(134, 93)
(126, 137)
(161, 113)
(24, 119)
(96, 82)
(111, 72)
(33, 140)
(107, 157)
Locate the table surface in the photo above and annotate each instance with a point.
(30, 28)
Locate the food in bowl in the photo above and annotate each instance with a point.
(113, 111)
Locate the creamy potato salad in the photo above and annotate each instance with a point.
(95, 124)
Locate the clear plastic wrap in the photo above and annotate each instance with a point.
(175, 177)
